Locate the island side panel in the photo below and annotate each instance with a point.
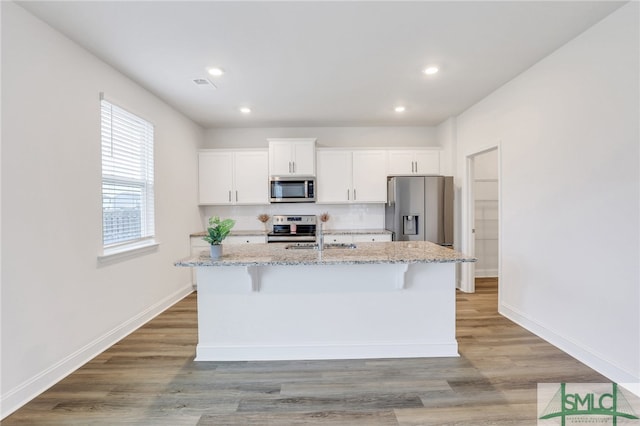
(326, 312)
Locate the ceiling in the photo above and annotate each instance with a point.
(321, 63)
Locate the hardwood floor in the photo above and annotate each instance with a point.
(150, 378)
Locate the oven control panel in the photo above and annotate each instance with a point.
(294, 220)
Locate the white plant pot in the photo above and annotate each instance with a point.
(216, 251)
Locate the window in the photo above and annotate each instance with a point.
(127, 178)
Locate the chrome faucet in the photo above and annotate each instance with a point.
(319, 237)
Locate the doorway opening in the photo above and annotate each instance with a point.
(481, 218)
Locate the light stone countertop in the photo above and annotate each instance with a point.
(356, 231)
(252, 233)
(256, 232)
(366, 253)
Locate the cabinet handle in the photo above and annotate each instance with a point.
(294, 166)
(348, 195)
(236, 196)
(416, 167)
(354, 194)
(229, 195)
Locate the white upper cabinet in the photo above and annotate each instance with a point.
(233, 177)
(351, 176)
(369, 176)
(251, 177)
(333, 183)
(215, 177)
(414, 162)
(292, 157)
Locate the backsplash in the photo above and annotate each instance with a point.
(343, 216)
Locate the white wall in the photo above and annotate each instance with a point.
(446, 138)
(59, 308)
(570, 188)
(326, 136)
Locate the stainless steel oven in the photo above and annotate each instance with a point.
(288, 189)
(293, 229)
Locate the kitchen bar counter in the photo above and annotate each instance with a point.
(364, 253)
(251, 233)
(379, 300)
(356, 231)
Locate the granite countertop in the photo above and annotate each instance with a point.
(233, 233)
(356, 231)
(365, 253)
(326, 232)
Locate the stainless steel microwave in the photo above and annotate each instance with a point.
(292, 189)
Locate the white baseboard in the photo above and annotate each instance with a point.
(28, 390)
(325, 351)
(583, 354)
(486, 273)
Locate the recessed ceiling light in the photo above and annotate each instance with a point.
(216, 72)
(399, 108)
(245, 110)
(431, 70)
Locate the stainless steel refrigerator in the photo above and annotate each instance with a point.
(420, 208)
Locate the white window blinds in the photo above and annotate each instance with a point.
(127, 177)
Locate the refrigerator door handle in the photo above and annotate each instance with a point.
(391, 196)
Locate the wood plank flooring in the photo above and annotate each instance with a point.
(150, 378)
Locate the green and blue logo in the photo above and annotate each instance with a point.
(586, 403)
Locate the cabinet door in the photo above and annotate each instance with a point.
(280, 158)
(361, 238)
(215, 177)
(304, 158)
(369, 177)
(251, 177)
(333, 183)
(427, 162)
(247, 239)
(401, 162)
(338, 239)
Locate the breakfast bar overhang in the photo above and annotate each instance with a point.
(379, 300)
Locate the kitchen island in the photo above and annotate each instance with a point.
(378, 300)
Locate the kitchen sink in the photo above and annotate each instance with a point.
(314, 246)
(302, 246)
(340, 245)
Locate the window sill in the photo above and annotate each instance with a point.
(127, 251)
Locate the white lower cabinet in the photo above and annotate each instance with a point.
(368, 238)
(247, 239)
(355, 238)
(338, 239)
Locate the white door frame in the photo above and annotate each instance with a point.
(468, 270)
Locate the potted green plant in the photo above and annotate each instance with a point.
(216, 232)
